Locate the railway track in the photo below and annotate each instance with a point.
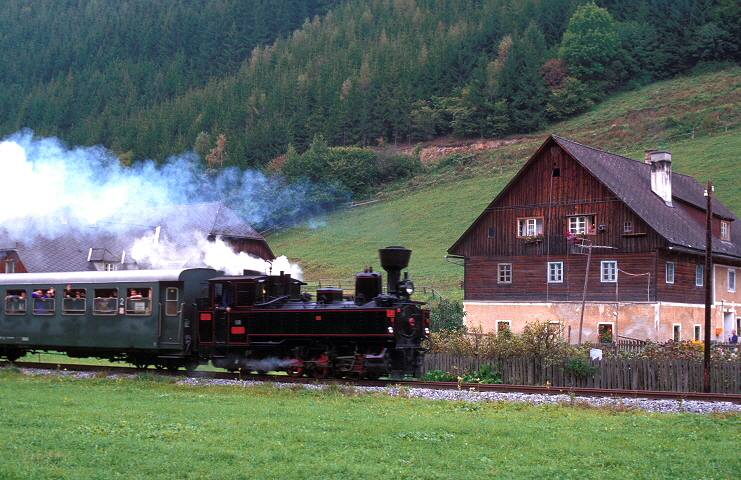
(475, 387)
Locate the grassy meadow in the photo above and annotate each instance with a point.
(430, 212)
(149, 427)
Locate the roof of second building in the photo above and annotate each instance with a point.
(74, 245)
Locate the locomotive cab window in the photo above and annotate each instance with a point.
(106, 301)
(138, 301)
(223, 295)
(171, 302)
(42, 300)
(245, 294)
(15, 302)
(74, 301)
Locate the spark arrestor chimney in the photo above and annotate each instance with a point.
(661, 175)
(394, 260)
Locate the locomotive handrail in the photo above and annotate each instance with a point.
(275, 300)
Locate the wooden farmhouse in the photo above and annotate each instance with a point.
(604, 247)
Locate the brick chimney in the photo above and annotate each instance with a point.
(661, 174)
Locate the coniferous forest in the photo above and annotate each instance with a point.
(242, 82)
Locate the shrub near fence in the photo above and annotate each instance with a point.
(617, 373)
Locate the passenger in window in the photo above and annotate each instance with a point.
(134, 295)
(68, 291)
(50, 293)
(38, 301)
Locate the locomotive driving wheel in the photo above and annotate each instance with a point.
(296, 368)
(320, 372)
(320, 369)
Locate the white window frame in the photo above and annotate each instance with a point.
(731, 280)
(697, 332)
(581, 224)
(608, 271)
(504, 273)
(628, 227)
(699, 275)
(9, 266)
(725, 230)
(529, 226)
(669, 272)
(677, 332)
(555, 272)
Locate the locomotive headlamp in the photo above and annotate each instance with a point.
(406, 287)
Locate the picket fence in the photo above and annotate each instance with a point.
(623, 374)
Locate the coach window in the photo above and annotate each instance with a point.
(138, 301)
(171, 302)
(42, 300)
(15, 302)
(106, 301)
(73, 302)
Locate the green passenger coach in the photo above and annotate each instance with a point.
(143, 317)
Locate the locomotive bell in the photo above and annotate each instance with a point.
(394, 260)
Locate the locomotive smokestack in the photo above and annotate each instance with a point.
(394, 260)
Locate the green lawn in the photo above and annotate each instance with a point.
(62, 427)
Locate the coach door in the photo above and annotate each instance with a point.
(171, 315)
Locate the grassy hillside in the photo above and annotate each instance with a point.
(431, 212)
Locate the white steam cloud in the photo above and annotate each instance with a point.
(47, 183)
(201, 252)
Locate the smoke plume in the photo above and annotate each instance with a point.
(48, 183)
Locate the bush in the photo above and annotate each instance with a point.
(447, 315)
(485, 374)
(580, 368)
(539, 339)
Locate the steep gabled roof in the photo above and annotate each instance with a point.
(630, 181)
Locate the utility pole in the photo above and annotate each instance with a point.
(589, 248)
(708, 286)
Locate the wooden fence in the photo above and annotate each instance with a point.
(626, 374)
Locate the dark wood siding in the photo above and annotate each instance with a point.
(11, 256)
(573, 192)
(257, 248)
(683, 290)
(636, 281)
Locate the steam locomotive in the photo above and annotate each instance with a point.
(254, 322)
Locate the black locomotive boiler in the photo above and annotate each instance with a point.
(259, 322)
(253, 322)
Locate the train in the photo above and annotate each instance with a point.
(254, 322)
